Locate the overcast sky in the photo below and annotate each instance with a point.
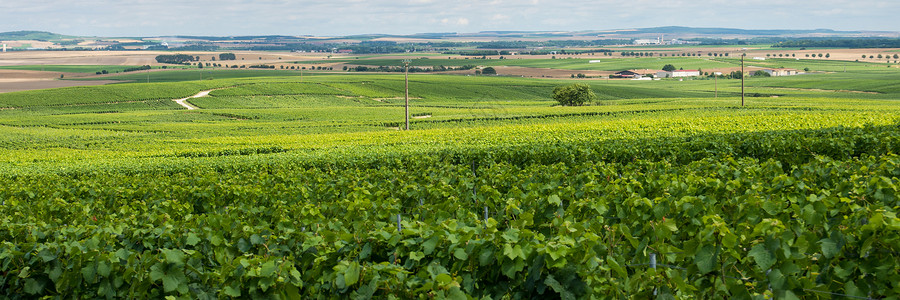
(349, 17)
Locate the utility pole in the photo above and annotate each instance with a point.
(406, 75)
(716, 80)
(742, 78)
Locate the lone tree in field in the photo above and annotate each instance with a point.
(576, 94)
(668, 68)
(489, 71)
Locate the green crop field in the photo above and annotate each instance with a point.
(602, 64)
(192, 74)
(282, 187)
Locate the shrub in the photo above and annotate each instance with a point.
(574, 94)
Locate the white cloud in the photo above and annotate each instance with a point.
(455, 21)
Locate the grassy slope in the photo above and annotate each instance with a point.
(140, 120)
(268, 155)
(195, 74)
(605, 63)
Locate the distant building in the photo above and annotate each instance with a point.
(677, 73)
(628, 74)
(759, 58)
(781, 72)
(680, 42)
(657, 41)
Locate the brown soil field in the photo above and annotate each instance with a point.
(18, 80)
(35, 44)
(535, 72)
(836, 54)
(78, 58)
(139, 58)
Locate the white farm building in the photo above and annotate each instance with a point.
(781, 72)
(677, 73)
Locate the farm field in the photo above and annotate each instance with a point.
(282, 186)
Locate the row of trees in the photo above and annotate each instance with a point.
(486, 71)
(841, 43)
(144, 67)
(638, 54)
(141, 68)
(683, 54)
(813, 55)
(896, 56)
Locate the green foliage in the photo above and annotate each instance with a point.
(576, 94)
(227, 56)
(283, 189)
(109, 94)
(489, 71)
(174, 59)
(668, 68)
(291, 227)
(761, 73)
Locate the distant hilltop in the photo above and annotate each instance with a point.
(732, 31)
(33, 36)
(634, 33)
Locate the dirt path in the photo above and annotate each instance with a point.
(183, 101)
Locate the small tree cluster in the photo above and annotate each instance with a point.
(761, 73)
(574, 94)
(227, 56)
(176, 59)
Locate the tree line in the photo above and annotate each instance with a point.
(841, 43)
(177, 59)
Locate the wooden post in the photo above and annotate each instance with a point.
(742, 79)
(406, 74)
